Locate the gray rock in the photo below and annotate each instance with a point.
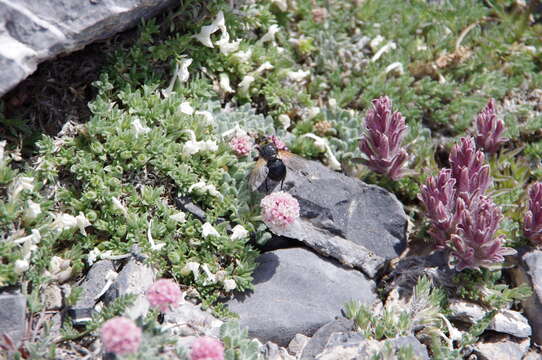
(134, 278)
(297, 291)
(189, 320)
(511, 322)
(52, 297)
(186, 204)
(505, 321)
(34, 31)
(529, 271)
(297, 344)
(360, 225)
(12, 316)
(320, 338)
(502, 348)
(94, 283)
(418, 348)
(347, 346)
(466, 311)
(271, 351)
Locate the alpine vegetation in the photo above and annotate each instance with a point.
(532, 223)
(382, 139)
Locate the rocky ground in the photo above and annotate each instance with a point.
(352, 242)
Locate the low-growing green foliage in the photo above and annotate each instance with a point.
(158, 135)
(237, 344)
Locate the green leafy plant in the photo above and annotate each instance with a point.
(237, 344)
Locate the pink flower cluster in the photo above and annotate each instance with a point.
(120, 336)
(439, 197)
(463, 219)
(474, 243)
(279, 209)
(163, 294)
(241, 144)
(469, 169)
(382, 141)
(207, 348)
(532, 223)
(279, 144)
(489, 129)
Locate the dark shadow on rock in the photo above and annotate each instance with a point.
(268, 265)
(278, 242)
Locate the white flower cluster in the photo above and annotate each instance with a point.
(210, 278)
(66, 221)
(193, 146)
(29, 246)
(202, 187)
(204, 36)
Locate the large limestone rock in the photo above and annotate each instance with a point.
(297, 291)
(32, 31)
(363, 226)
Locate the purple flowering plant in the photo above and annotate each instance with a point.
(381, 143)
(463, 219)
(532, 222)
(489, 129)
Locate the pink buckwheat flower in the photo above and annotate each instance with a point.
(120, 336)
(163, 294)
(532, 223)
(489, 129)
(241, 144)
(439, 200)
(207, 348)
(382, 141)
(279, 209)
(468, 169)
(475, 244)
(280, 145)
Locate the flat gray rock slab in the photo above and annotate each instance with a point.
(32, 31)
(297, 291)
(320, 338)
(362, 226)
(12, 316)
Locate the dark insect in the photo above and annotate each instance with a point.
(272, 164)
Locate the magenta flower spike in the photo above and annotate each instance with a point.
(438, 198)
(382, 141)
(468, 169)
(475, 244)
(532, 223)
(489, 129)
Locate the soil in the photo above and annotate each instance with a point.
(59, 91)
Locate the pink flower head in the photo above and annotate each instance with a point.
(382, 141)
(207, 348)
(279, 144)
(438, 198)
(241, 144)
(468, 169)
(163, 294)
(120, 336)
(489, 129)
(475, 244)
(532, 223)
(279, 209)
